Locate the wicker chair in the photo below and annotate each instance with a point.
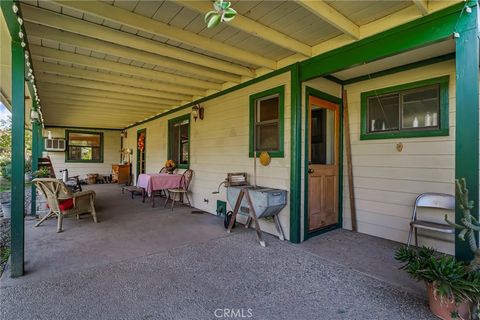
(63, 202)
(182, 188)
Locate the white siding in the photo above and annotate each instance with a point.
(111, 155)
(387, 181)
(219, 144)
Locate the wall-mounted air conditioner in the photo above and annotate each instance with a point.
(54, 144)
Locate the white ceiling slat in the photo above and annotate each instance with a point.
(48, 96)
(114, 51)
(118, 67)
(87, 92)
(58, 21)
(92, 75)
(140, 22)
(254, 28)
(97, 109)
(90, 84)
(422, 6)
(332, 16)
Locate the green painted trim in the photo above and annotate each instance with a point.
(17, 257)
(426, 30)
(83, 161)
(280, 90)
(443, 129)
(334, 79)
(35, 156)
(295, 154)
(325, 96)
(406, 67)
(140, 131)
(11, 19)
(216, 95)
(82, 128)
(169, 151)
(467, 121)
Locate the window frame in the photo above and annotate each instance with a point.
(67, 151)
(443, 111)
(169, 136)
(280, 91)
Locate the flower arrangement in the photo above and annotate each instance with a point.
(141, 142)
(170, 165)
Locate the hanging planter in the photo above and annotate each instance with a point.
(222, 13)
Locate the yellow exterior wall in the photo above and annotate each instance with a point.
(219, 144)
(387, 181)
(111, 155)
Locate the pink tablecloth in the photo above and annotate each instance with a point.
(158, 181)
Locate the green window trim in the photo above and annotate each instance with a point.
(442, 130)
(67, 132)
(169, 153)
(280, 90)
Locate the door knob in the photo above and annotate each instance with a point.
(311, 171)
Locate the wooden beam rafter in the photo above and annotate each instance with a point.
(331, 16)
(89, 29)
(42, 32)
(95, 92)
(66, 107)
(83, 60)
(52, 68)
(255, 28)
(90, 84)
(422, 6)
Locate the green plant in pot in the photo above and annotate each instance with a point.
(42, 172)
(452, 287)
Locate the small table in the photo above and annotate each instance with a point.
(151, 182)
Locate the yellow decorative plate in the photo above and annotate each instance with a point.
(264, 158)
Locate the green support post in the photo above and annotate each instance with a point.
(467, 113)
(18, 160)
(295, 154)
(35, 156)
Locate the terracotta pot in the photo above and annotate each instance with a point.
(443, 308)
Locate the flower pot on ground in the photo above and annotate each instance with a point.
(452, 287)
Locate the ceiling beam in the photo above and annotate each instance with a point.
(95, 110)
(331, 16)
(83, 60)
(254, 28)
(100, 76)
(133, 20)
(48, 95)
(43, 32)
(109, 87)
(127, 97)
(74, 25)
(46, 99)
(422, 6)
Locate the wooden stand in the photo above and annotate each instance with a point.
(252, 216)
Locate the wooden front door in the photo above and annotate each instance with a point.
(323, 163)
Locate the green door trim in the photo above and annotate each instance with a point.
(139, 131)
(322, 95)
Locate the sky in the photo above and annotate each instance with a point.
(4, 113)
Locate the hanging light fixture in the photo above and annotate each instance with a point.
(34, 116)
(197, 112)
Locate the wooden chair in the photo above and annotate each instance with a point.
(431, 200)
(182, 188)
(63, 202)
(163, 170)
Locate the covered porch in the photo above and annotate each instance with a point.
(141, 262)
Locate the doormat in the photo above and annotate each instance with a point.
(197, 212)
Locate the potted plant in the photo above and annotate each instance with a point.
(170, 165)
(28, 169)
(42, 172)
(452, 287)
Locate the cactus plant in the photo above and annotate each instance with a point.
(469, 224)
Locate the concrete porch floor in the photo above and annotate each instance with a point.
(150, 263)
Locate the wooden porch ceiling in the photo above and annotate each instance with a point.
(112, 63)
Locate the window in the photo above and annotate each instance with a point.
(84, 146)
(179, 141)
(266, 122)
(416, 109)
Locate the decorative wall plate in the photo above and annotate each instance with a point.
(264, 158)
